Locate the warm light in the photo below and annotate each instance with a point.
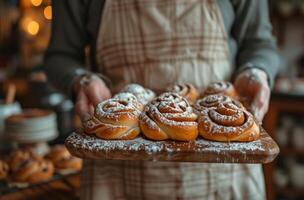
(33, 28)
(24, 23)
(36, 2)
(48, 12)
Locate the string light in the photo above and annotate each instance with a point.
(33, 28)
(36, 2)
(48, 12)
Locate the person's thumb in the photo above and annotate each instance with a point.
(259, 105)
(92, 91)
(82, 106)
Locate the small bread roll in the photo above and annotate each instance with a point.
(213, 101)
(187, 91)
(142, 94)
(116, 118)
(62, 159)
(169, 116)
(27, 167)
(224, 88)
(228, 122)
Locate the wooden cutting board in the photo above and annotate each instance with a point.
(84, 146)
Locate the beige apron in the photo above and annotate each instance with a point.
(158, 43)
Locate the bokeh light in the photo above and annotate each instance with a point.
(48, 12)
(36, 2)
(33, 28)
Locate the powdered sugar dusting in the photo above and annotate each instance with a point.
(167, 108)
(181, 89)
(120, 104)
(90, 147)
(83, 141)
(210, 101)
(142, 94)
(213, 121)
(218, 87)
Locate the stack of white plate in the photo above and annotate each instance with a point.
(32, 126)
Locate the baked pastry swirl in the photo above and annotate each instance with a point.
(187, 91)
(26, 167)
(224, 88)
(213, 101)
(143, 95)
(116, 118)
(169, 116)
(227, 123)
(3, 170)
(62, 159)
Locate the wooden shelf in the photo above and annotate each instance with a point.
(291, 191)
(291, 151)
(282, 103)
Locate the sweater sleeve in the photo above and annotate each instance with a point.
(64, 58)
(253, 33)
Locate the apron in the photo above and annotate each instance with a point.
(158, 43)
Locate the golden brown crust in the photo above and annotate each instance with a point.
(3, 169)
(187, 91)
(228, 123)
(116, 118)
(221, 87)
(169, 116)
(44, 172)
(27, 167)
(62, 159)
(213, 101)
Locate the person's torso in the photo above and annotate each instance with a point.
(95, 9)
(160, 43)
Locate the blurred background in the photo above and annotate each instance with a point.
(25, 27)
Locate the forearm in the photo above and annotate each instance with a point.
(253, 33)
(260, 55)
(64, 58)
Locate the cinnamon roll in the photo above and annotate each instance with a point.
(116, 118)
(224, 88)
(3, 170)
(62, 159)
(26, 167)
(169, 116)
(227, 123)
(143, 95)
(187, 91)
(212, 101)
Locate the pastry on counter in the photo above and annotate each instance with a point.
(212, 101)
(28, 168)
(187, 91)
(116, 118)
(221, 87)
(169, 116)
(62, 159)
(4, 169)
(143, 95)
(228, 122)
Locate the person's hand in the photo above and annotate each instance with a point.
(90, 90)
(253, 86)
